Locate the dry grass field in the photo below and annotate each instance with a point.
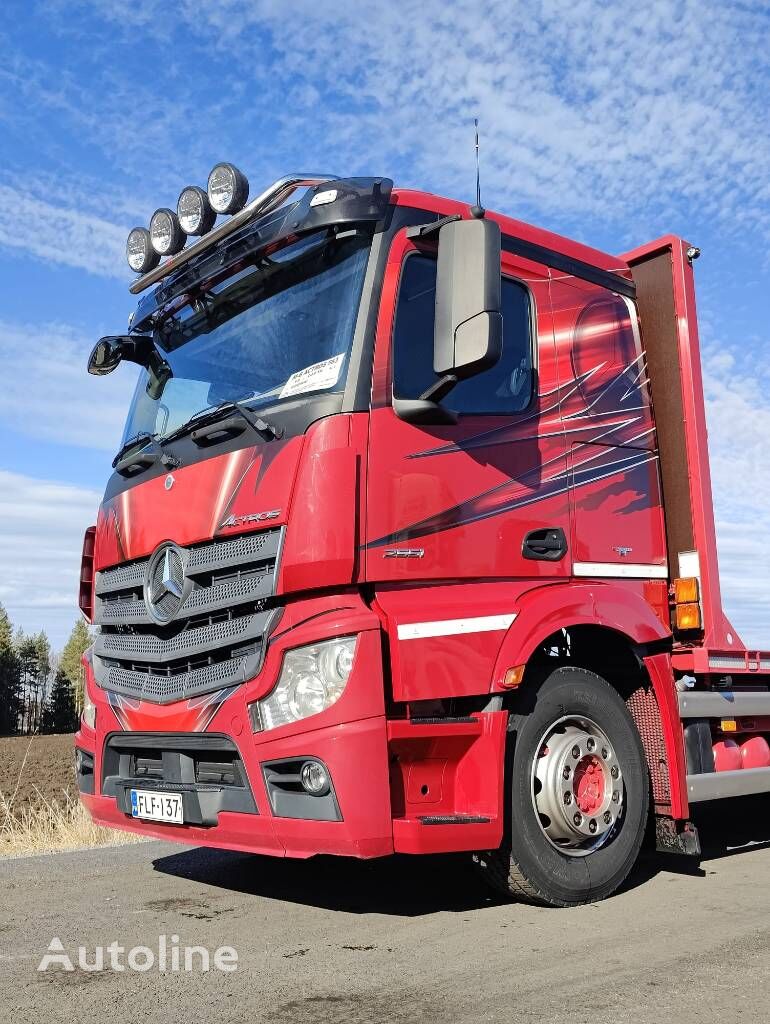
(39, 808)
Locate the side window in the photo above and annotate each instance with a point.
(505, 388)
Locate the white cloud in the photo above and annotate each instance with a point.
(739, 427)
(41, 534)
(586, 109)
(49, 395)
(59, 234)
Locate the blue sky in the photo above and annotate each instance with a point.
(610, 124)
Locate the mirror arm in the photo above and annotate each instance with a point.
(158, 371)
(419, 410)
(425, 230)
(440, 388)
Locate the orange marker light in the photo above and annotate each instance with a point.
(688, 616)
(513, 676)
(686, 590)
(729, 725)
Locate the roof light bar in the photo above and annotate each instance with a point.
(268, 200)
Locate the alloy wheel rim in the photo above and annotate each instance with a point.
(577, 786)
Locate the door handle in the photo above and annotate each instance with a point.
(547, 545)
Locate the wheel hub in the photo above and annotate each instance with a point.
(577, 786)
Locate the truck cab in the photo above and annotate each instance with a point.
(408, 546)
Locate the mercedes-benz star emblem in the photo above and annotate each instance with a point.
(165, 583)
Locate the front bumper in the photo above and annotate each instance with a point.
(356, 756)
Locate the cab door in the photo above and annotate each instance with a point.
(485, 497)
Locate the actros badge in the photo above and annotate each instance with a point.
(254, 517)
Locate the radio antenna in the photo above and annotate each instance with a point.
(477, 210)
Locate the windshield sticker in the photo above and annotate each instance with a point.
(314, 378)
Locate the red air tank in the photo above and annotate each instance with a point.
(727, 756)
(755, 753)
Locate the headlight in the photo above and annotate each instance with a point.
(312, 679)
(228, 189)
(194, 211)
(89, 713)
(166, 232)
(139, 251)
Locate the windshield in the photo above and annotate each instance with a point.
(277, 330)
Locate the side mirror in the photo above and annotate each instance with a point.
(105, 355)
(108, 352)
(468, 333)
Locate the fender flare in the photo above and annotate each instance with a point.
(547, 609)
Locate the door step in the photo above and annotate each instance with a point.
(452, 819)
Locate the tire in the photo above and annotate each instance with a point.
(541, 861)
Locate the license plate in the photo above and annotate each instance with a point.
(157, 806)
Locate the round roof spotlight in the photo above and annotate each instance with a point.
(228, 189)
(195, 212)
(166, 232)
(140, 254)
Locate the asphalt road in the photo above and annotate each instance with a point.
(400, 940)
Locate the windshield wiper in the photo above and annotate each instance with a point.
(219, 412)
(143, 435)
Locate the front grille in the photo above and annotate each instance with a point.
(217, 637)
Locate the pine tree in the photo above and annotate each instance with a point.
(10, 686)
(34, 655)
(60, 713)
(70, 663)
(42, 682)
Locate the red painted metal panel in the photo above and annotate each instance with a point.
(619, 605)
(322, 543)
(445, 665)
(197, 507)
(441, 771)
(463, 497)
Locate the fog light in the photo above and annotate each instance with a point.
(194, 211)
(139, 251)
(166, 233)
(314, 778)
(228, 189)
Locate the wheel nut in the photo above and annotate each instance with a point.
(615, 796)
(591, 743)
(605, 753)
(566, 771)
(568, 798)
(577, 818)
(614, 771)
(592, 826)
(607, 817)
(576, 752)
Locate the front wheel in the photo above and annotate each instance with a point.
(578, 795)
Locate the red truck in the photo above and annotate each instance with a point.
(409, 545)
